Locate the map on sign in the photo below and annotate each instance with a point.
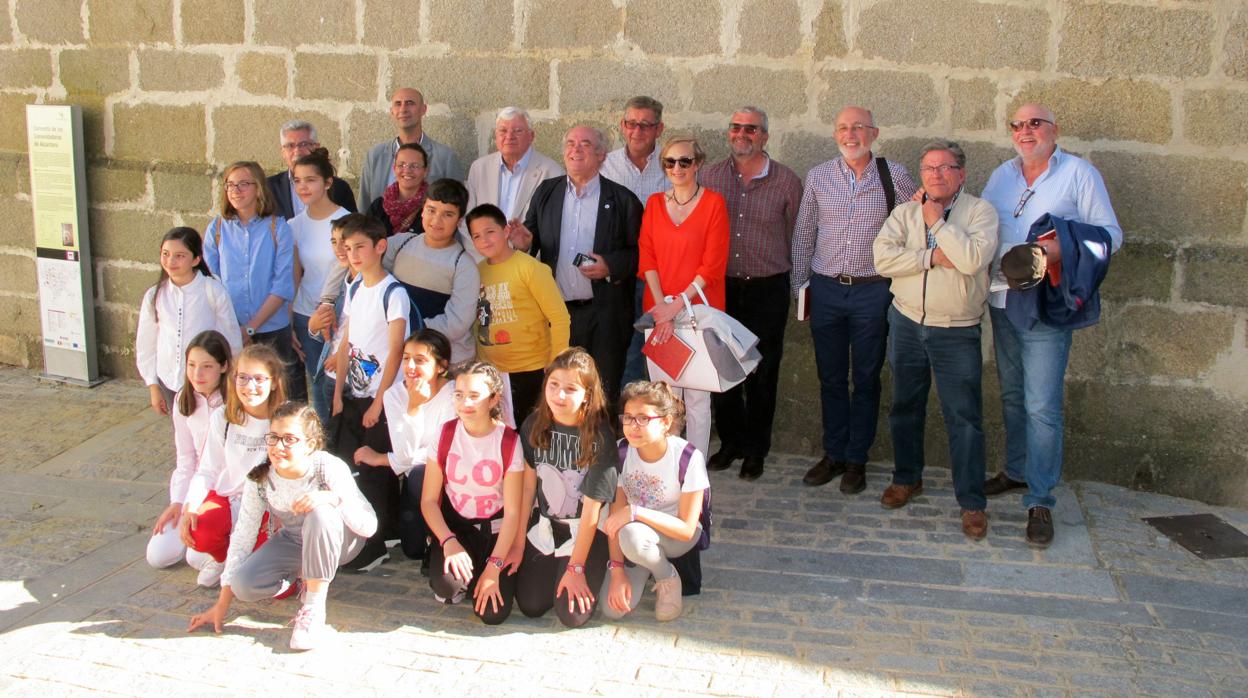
(60, 291)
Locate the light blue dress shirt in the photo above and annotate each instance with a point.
(576, 235)
(251, 267)
(509, 180)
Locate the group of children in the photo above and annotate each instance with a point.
(411, 433)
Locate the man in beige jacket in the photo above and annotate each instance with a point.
(937, 249)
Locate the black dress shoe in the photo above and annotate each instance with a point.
(722, 460)
(824, 471)
(1039, 527)
(751, 468)
(1000, 484)
(855, 478)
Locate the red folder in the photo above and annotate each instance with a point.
(673, 356)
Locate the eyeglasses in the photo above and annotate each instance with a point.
(846, 128)
(1033, 124)
(239, 186)
(1022, 201)
(640, 125)
(941, 169)
(457, 396)
(750, 129)
(640, 420)
(511, 131)
(670, 163)
(301, 145)
(243, 379)
(408, 166)
(272, 438)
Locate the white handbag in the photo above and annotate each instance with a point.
(724, 351)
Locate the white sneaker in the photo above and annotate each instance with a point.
(458, 597)
(210, 574)
(309, 628)
(668, 603)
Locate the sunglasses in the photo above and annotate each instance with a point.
(750, 129)
(670, 163)
(1033, 124)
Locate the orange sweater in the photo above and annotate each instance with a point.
(698, 246)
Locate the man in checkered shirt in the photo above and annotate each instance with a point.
(844, 205)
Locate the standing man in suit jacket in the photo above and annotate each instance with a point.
(585, 227)
(298, 138)
(407, 111)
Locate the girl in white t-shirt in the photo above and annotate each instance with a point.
(655, 515)
(203, 390)
(234, 446)
(325, 521)
(471, 498)
(315, 258)
(416, 408)
(185, 301)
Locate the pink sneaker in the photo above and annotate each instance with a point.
(668, 603)
(309, 628)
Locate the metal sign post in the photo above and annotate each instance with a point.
(62, 244)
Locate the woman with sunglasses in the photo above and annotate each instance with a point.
(325, 523)
(683, 250)
(399, 206)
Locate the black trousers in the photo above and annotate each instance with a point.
(478, 541)
(744, 415)
(379, 485)
(598, 332)
(526, 390)
(296, 379)
(539, 577)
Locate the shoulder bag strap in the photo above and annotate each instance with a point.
(886, 181)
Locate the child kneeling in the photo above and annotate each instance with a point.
(325, 524)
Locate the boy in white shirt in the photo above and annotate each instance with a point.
(375, 319)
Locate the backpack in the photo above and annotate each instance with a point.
(510, 439)
(263, 486)
(686, 455)
(415, 322)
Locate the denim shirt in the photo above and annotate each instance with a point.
(252, 269)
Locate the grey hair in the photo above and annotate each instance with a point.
(297, 125)
(599, 136)
(642, 102)
(949, 146)
(750, 109)
(509, 113)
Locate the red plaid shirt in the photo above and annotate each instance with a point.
(761, 213)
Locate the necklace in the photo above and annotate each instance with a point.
(678, 202)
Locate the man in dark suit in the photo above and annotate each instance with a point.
(298, 139)
(585, 227)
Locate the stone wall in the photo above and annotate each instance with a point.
(1154, 92)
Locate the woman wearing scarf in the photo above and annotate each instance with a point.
(400, 204)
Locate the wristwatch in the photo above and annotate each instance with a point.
(251, 331)
(496, 561)
(576, 568)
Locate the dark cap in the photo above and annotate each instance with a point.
(1023, 266)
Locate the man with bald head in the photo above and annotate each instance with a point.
(844, 205)
(407, 111)
(1031, 363)
(584, 227)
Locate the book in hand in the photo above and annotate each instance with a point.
(673, 356)
(803, 302)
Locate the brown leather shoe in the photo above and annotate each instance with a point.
(855, 478)
(1000, 484)
(823, 472)
(974, 524)
(896, 496)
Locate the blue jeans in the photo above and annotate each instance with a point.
(916, 353)
(1031, 365)
(635, 368)
(845, 319)
(312, 347)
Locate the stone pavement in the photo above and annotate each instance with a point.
(807, 592)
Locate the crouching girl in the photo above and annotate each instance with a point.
(325, 523)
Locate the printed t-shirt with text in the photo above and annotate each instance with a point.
(473, 472)
(560, 483)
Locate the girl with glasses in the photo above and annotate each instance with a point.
(571, 465)
(683, 248)
(655, 516)
(324, 524)
(471, 499)
(235, 445)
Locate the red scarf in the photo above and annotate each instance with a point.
(402, 213)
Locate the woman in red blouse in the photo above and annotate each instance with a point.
(684, 247)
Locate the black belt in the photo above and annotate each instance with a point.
(847, 280)
(578, 304)
(743, 279)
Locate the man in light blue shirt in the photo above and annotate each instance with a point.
(1031, 364)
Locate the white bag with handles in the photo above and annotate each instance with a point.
(724, 351)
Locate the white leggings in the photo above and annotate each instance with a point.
(650, 552)
(165, 549)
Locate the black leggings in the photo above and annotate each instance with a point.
(539, 576)
(379, 485)
(474, 535)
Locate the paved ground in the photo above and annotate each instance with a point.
(807, 592)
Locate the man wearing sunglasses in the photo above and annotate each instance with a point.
(762, 197)
(845, 202)
(1031, 363)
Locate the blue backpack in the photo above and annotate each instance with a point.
(686, 455)
(415, 322)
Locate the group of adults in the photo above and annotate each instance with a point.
(885, 266)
